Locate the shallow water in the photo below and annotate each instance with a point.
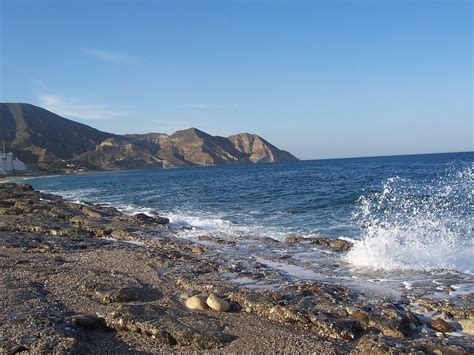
(410, 217)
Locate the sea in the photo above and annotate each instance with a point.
(410, 217)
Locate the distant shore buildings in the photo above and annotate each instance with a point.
(10, 164)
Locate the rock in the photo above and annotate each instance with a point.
(450, 350)
(89, 322)
(91, 212)
(393, 333)
(441, 325)
(371, 344)
(361, 316)
(197, 303)
(331, 243)
(217, 304)
(143, 218)
(197, 250)
(154, 321)
(16, 316)
(122, 294)
(467, 325)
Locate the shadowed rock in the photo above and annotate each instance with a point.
(331, 243)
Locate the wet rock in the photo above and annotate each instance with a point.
(197, 303)
(216, 239)
(16, 187)
(467, 325)
(217, 304)
(331, 243)
(143, 218)
(393, 333)
(441, 325)
(459, 311)
(361, 316)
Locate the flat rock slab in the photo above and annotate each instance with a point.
(154, 321)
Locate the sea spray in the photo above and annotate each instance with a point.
(419, 226)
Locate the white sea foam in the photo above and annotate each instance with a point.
(195, 224)
(412, 227)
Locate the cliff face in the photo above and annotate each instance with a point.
(258, 150)
(42, 138)
(38, 135)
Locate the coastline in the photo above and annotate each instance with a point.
(86, 278)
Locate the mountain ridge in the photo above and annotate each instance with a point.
(49, 142)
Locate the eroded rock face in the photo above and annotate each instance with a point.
(258, 149)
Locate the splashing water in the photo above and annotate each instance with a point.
(416, 226)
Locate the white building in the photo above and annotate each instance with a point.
(9, 164)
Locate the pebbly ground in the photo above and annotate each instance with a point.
(79, 278)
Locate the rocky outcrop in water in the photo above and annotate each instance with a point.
(83, 278)
(49, 142)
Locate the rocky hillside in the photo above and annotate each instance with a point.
(47, 141)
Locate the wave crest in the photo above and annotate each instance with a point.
(418, 226)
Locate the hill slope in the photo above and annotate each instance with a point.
(43, 139)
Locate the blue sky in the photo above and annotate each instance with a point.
(321, 79)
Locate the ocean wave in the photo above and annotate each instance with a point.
(411, 226)
(191, 225)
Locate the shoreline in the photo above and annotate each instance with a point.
(87, 278)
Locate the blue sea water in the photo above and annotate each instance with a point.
(403, 212)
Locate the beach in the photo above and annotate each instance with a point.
(87, 278)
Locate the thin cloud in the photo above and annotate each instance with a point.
(110, 56)
(209, 105)
(74, 109)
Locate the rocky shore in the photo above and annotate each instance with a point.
(83, 278)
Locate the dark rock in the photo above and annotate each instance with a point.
(143, 218)
(331, 243)
(441, 325)
(89, 322)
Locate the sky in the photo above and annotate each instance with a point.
(322, 79)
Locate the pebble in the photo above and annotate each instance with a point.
(196, 302)
(217, 304)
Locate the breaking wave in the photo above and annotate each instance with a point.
(417, 226)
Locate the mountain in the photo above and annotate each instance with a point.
(48, 141)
